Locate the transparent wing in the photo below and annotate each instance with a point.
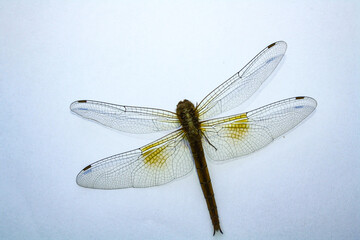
(126, 118)
(239, 135)
(154, 164)
(242, 84)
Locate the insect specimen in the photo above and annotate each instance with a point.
(196, 133)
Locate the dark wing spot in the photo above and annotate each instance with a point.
(86, 168)
(271, 45)
(298, 98)
(82, 101)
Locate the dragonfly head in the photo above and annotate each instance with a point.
(187, 114)
(185, 106)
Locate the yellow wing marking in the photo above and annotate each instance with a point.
(227, 119)
(235, 127)
(156, 154)
(238, 128)
(227, 137)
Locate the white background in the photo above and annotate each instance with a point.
(305, 185)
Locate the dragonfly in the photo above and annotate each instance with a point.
(197, 132)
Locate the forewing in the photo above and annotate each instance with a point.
(239, 135)
(154, 164)
(242, 84)
(126, 118)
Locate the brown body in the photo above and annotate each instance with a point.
(189, 119)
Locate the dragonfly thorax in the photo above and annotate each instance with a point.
(188, 117)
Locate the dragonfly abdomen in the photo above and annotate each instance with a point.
(188, 117)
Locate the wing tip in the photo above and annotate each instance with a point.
(74, 104)
(277, 43)
(81, 174)
(308, 99)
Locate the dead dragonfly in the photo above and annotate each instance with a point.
(174, 155)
